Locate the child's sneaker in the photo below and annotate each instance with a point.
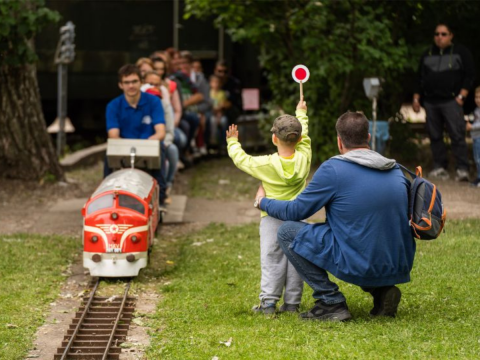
(476, 183)
(289, 308)
(266, 308)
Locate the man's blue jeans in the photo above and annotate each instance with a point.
(323, 289)
(172, 158)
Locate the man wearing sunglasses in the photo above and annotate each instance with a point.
(446, 74)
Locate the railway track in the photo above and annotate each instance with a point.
(99, 328)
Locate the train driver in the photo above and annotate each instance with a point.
(136, 115)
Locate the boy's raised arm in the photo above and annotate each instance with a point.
(304, 146)
(252, 165)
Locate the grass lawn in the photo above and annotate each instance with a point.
(30, 277)
(208, 294)
(220, 179)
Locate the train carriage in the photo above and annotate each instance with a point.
(120, 219)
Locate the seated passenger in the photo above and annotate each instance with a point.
(217, 124)
(153, 80)
(136, 115)
(144, 65)
(160, 66)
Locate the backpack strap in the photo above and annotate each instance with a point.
(411, 196)
(411, 173)
(418, 171)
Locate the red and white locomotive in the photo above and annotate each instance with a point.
(120, 219)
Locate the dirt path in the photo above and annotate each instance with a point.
(28, 207)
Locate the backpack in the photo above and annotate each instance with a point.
(425, 207)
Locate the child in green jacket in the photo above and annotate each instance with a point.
(283, 176)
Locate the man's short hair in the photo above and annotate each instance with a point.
(352, 128)
(477, 90)
(127, 70)
(449, 28)
(186, 55)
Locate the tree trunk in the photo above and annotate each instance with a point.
(26, 150)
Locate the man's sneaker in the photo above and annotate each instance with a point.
(196, 153)
(476, 183)
(323, 312)
(163, 208)
(385, 301)
(462, 175)
(266, 308)
(289, 308)
(180, 165)
(439, 173)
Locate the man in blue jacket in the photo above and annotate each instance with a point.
(366, 239)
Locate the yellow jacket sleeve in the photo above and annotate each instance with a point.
(260, 167)
(305, 145)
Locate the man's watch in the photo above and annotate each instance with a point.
(256, 204)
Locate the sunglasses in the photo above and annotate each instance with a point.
(441, 34)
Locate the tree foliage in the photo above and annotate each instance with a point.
(341, 42)
(20, 20)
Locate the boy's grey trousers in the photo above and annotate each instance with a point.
(277, 271)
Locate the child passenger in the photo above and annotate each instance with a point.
(475, 133)
(218, 121)
(283, 176)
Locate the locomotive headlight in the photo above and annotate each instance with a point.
(94, 238)
(114, 216)
(135, 238)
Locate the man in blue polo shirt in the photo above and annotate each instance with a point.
(136, 115)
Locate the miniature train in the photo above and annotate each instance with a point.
(120, 220)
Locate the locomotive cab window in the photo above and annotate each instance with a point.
(131, 203)
(102, 202)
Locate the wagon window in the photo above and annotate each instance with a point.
(102, 202)
(131, 203)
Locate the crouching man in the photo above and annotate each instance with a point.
(366, 239)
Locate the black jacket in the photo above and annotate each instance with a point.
(443, 73)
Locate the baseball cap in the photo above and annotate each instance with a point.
(287, 128)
